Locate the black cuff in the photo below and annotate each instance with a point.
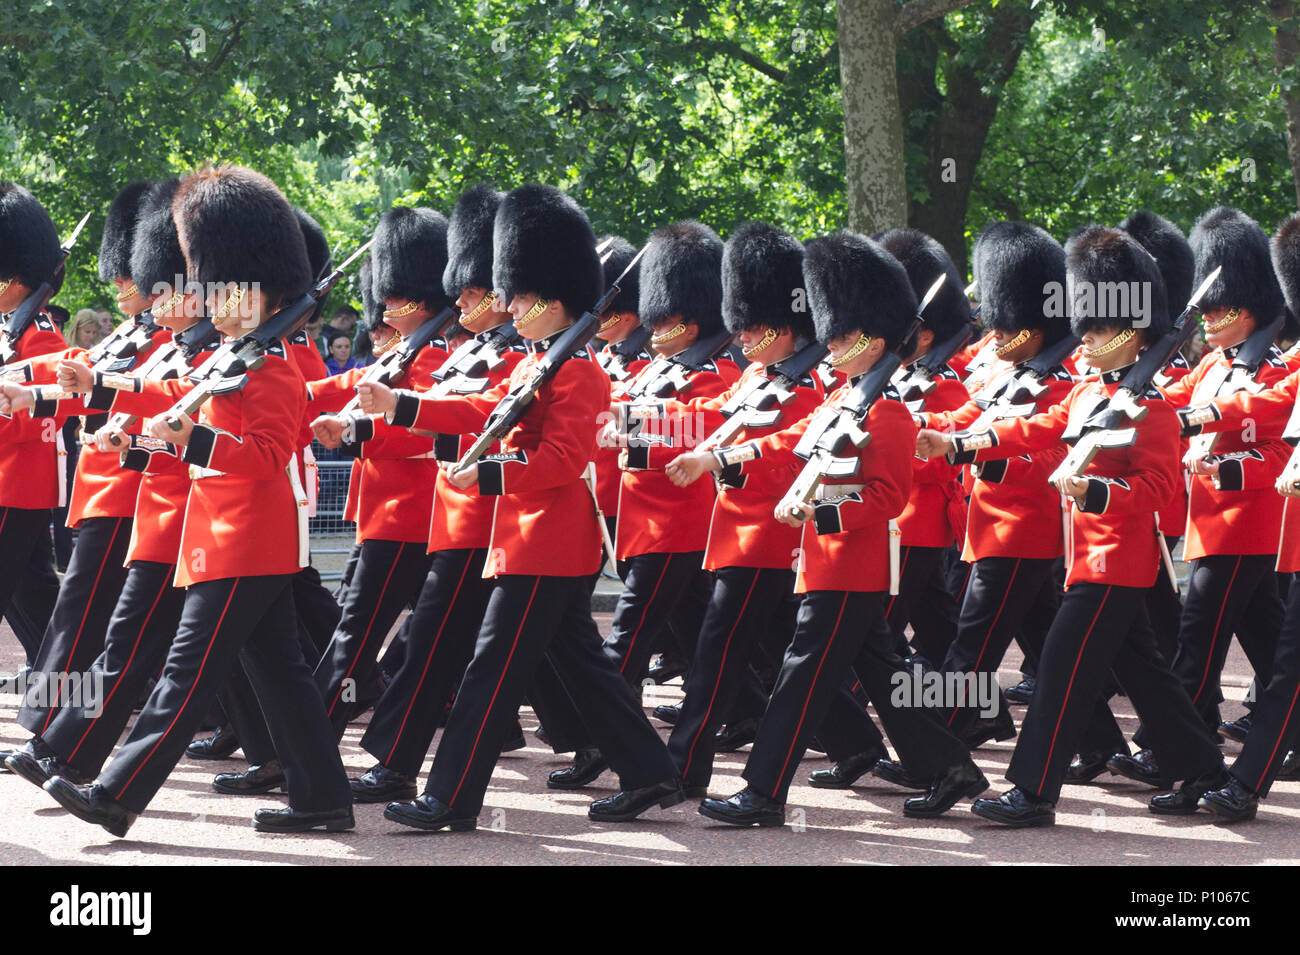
(199, 450)
(363, 429)
(350, 449)
(491, 478)
(135, 459)
(1231, 476)
(993, 472)
(732, 476)
(446, 447)
(961, 457)
(826, 519)
(99, 398)
(44, 408)
(407, 410)
(638, 458)
(1096, 498)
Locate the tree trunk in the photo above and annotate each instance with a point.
(873, 125)
(1286, 49)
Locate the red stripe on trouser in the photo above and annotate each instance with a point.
(1280, 736)
(722, 667)
(808, 699)
(1066, 699)
(902, 569)
(369, 626)
(90, 601)
(644, 611)
(198, 676)
(504, 670)
(134, 647)
(1218, 622)
(428, 660)
(993, 626)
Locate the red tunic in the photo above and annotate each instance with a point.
(29, 446)
(1114, 539)
(1238, 512)
(935, 515)
(608, 475)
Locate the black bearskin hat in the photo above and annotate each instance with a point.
(681, 278)
(543, 244)
(29, 244)
(318, 247)
(925, 260)
(1231, 239)
(409, 256)
(1021, 274)
(156, 257)
(762, 281)
(119, 232)
(1286, 264)
(1113, 282)
(1173, 255)
(618, 252)
(236, 226)
(855, 286)
(372, 308)
(469, 241)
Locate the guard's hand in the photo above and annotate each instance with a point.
(1198, 464)
(793, 514)
(465, 479)
(328, 430)
(1072, 486)
(75, 377)
(375, 398)
(686, 469)
(932, 444)
(15, 398)
(1286, 484)
(608, 436)
(161, 429)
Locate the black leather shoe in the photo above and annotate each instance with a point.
(959, 782)
(588, 764)
(745, 808)
(36, 763)
(1290, 767)
(1001, 727)
(257, 780)
(381, 784)
(844, 773)
(1085, 767)
(664, 669)
(294, 820)
(1183, 801)
(627, 805)
(1142, 767)
(1236, 730)
(892, 771)
(1016, 808)
(1021, 693)
(217, 746)
(91, 804)
(735, 735)
(542, 736)
(666, 713)
(514, 739)
(1233, 802)
(425, 812)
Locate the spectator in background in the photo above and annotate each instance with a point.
(340, 358)
(106, 324)
(84, 331)
(343, 320)
(315, 331)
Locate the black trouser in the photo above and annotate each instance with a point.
(28, 584)
(837, 630)
(1276, 716)
(744, 603)
(1100, 629)
(1165, 608)
(139, 634)
(999, 595)
(246, 621)
(527, 616)
(846, 729)
(441, 631)
(1221, 591)
(924, 602)
(75, 636)
(318, 612)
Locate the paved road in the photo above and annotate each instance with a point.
(523, 822)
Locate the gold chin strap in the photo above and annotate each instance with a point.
(1116, 341)
(159, 310)
(768, 337)
(528, 316)
(663, 338)
(228, 306)
(610, 322)
(483, 305)
(393, 341)
(1013, 344)
(402, 312)
(131, 291)
(861, 345)
(1232, 315)
(4, 286)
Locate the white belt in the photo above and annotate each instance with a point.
(61, 462)
(895, 553)
(301, 507)
(312, 479)
(197, 473)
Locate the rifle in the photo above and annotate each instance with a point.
(511, 409)
(919, 382)
(615, 361)
(17, 321)
(395, 363)
(1108, 425)
(227, 371)
(1017, 397)
(833, 432)
(669, 376)
(1241, 377)
(758, 404)
(465, 372)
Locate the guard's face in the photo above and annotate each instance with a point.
(477, 312)
(129, 299)
(766, 345)
(404, 315)
(673, 336)
(1225, 327)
